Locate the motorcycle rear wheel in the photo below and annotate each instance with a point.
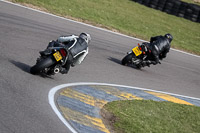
(41, 65)
(127, 59)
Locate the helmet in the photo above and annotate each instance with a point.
(85, 36)
(169, 37)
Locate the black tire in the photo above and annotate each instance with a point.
(139, 1)
(192, 12)
(198, 20)
(161, 4)
(153, 3)
(194, 19)
(41, 65)
(180, 15)
(139, 66)
(127, 59)
(168, 7)
(176, 7)
(182, 9)
(146, 2)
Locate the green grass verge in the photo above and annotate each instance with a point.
(129, 18)
(147, 116)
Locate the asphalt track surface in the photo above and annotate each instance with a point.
(24, 105)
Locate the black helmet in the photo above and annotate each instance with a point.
(85, 36)
(169, 37)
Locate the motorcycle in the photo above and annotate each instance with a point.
(50, 61)
(136, 56)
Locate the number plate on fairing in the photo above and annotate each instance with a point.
(137, 51)
(57, 56)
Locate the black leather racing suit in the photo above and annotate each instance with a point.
(77, 47)
(159, 47)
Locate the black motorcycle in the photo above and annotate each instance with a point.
(136, 56)
(51, 60)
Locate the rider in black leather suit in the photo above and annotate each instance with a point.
(159, 46)
(77, 47)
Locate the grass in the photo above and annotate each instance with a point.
(127, 17)
(147, 116)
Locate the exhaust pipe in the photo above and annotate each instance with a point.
(56, 70)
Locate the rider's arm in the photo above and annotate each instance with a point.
(154, 39)
(155, 57)
(81, 57)
(165, 51)
(62, 39)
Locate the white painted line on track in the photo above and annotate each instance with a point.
(185, 53)
(52, 103)
(91, 26)
(53, 91)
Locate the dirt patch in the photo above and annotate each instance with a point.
(108, 119)
(198, 1)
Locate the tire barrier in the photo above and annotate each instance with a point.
(168, 6)
(146, 2)
(153, 3)
(161, 5)
(182, 9)
(174, 7)
(192, 12)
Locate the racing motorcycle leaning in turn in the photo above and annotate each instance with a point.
(137, 56)
(51, 60)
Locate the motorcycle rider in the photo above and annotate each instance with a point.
(158, 48)
(77, 47)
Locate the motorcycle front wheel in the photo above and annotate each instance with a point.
(42, 64)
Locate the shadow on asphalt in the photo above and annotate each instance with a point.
(115, 60)
(22, 66)
(119, 62)
(26, 68)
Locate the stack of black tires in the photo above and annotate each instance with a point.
(174, 7)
